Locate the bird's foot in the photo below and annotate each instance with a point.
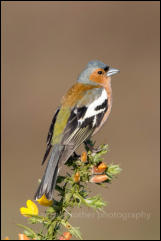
(89, 145)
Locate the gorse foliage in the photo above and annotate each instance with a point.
(72, 192)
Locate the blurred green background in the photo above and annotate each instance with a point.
(45, 45)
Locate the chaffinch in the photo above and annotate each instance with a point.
(83, 110)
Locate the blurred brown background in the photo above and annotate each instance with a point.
(45, 45)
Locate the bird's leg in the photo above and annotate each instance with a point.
(89, 145)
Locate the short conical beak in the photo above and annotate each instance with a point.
(112, 71)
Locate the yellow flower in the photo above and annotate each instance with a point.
(31, 209)
(44, 201)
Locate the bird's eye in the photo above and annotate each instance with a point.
(106, 68)
(99, 72)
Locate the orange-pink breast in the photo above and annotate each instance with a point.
(75, 93)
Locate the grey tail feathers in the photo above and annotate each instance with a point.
(48, 181)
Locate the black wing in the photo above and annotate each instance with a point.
(49, 137)
(77, 132)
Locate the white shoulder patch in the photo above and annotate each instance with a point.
(91, 110)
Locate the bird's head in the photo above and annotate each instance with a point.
(96, 72)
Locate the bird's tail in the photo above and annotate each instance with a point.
(48, 181)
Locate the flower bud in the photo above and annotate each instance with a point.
(61, 238)
(84, 156)
(98, 178)
(102, 166)
(100, 169)
(22, 236)
(114, 169)
(68, 226)
(66, 236)
(77, 177)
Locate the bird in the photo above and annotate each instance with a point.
(82, 112)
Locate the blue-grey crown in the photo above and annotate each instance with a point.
(96, 64)
(91, 66)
